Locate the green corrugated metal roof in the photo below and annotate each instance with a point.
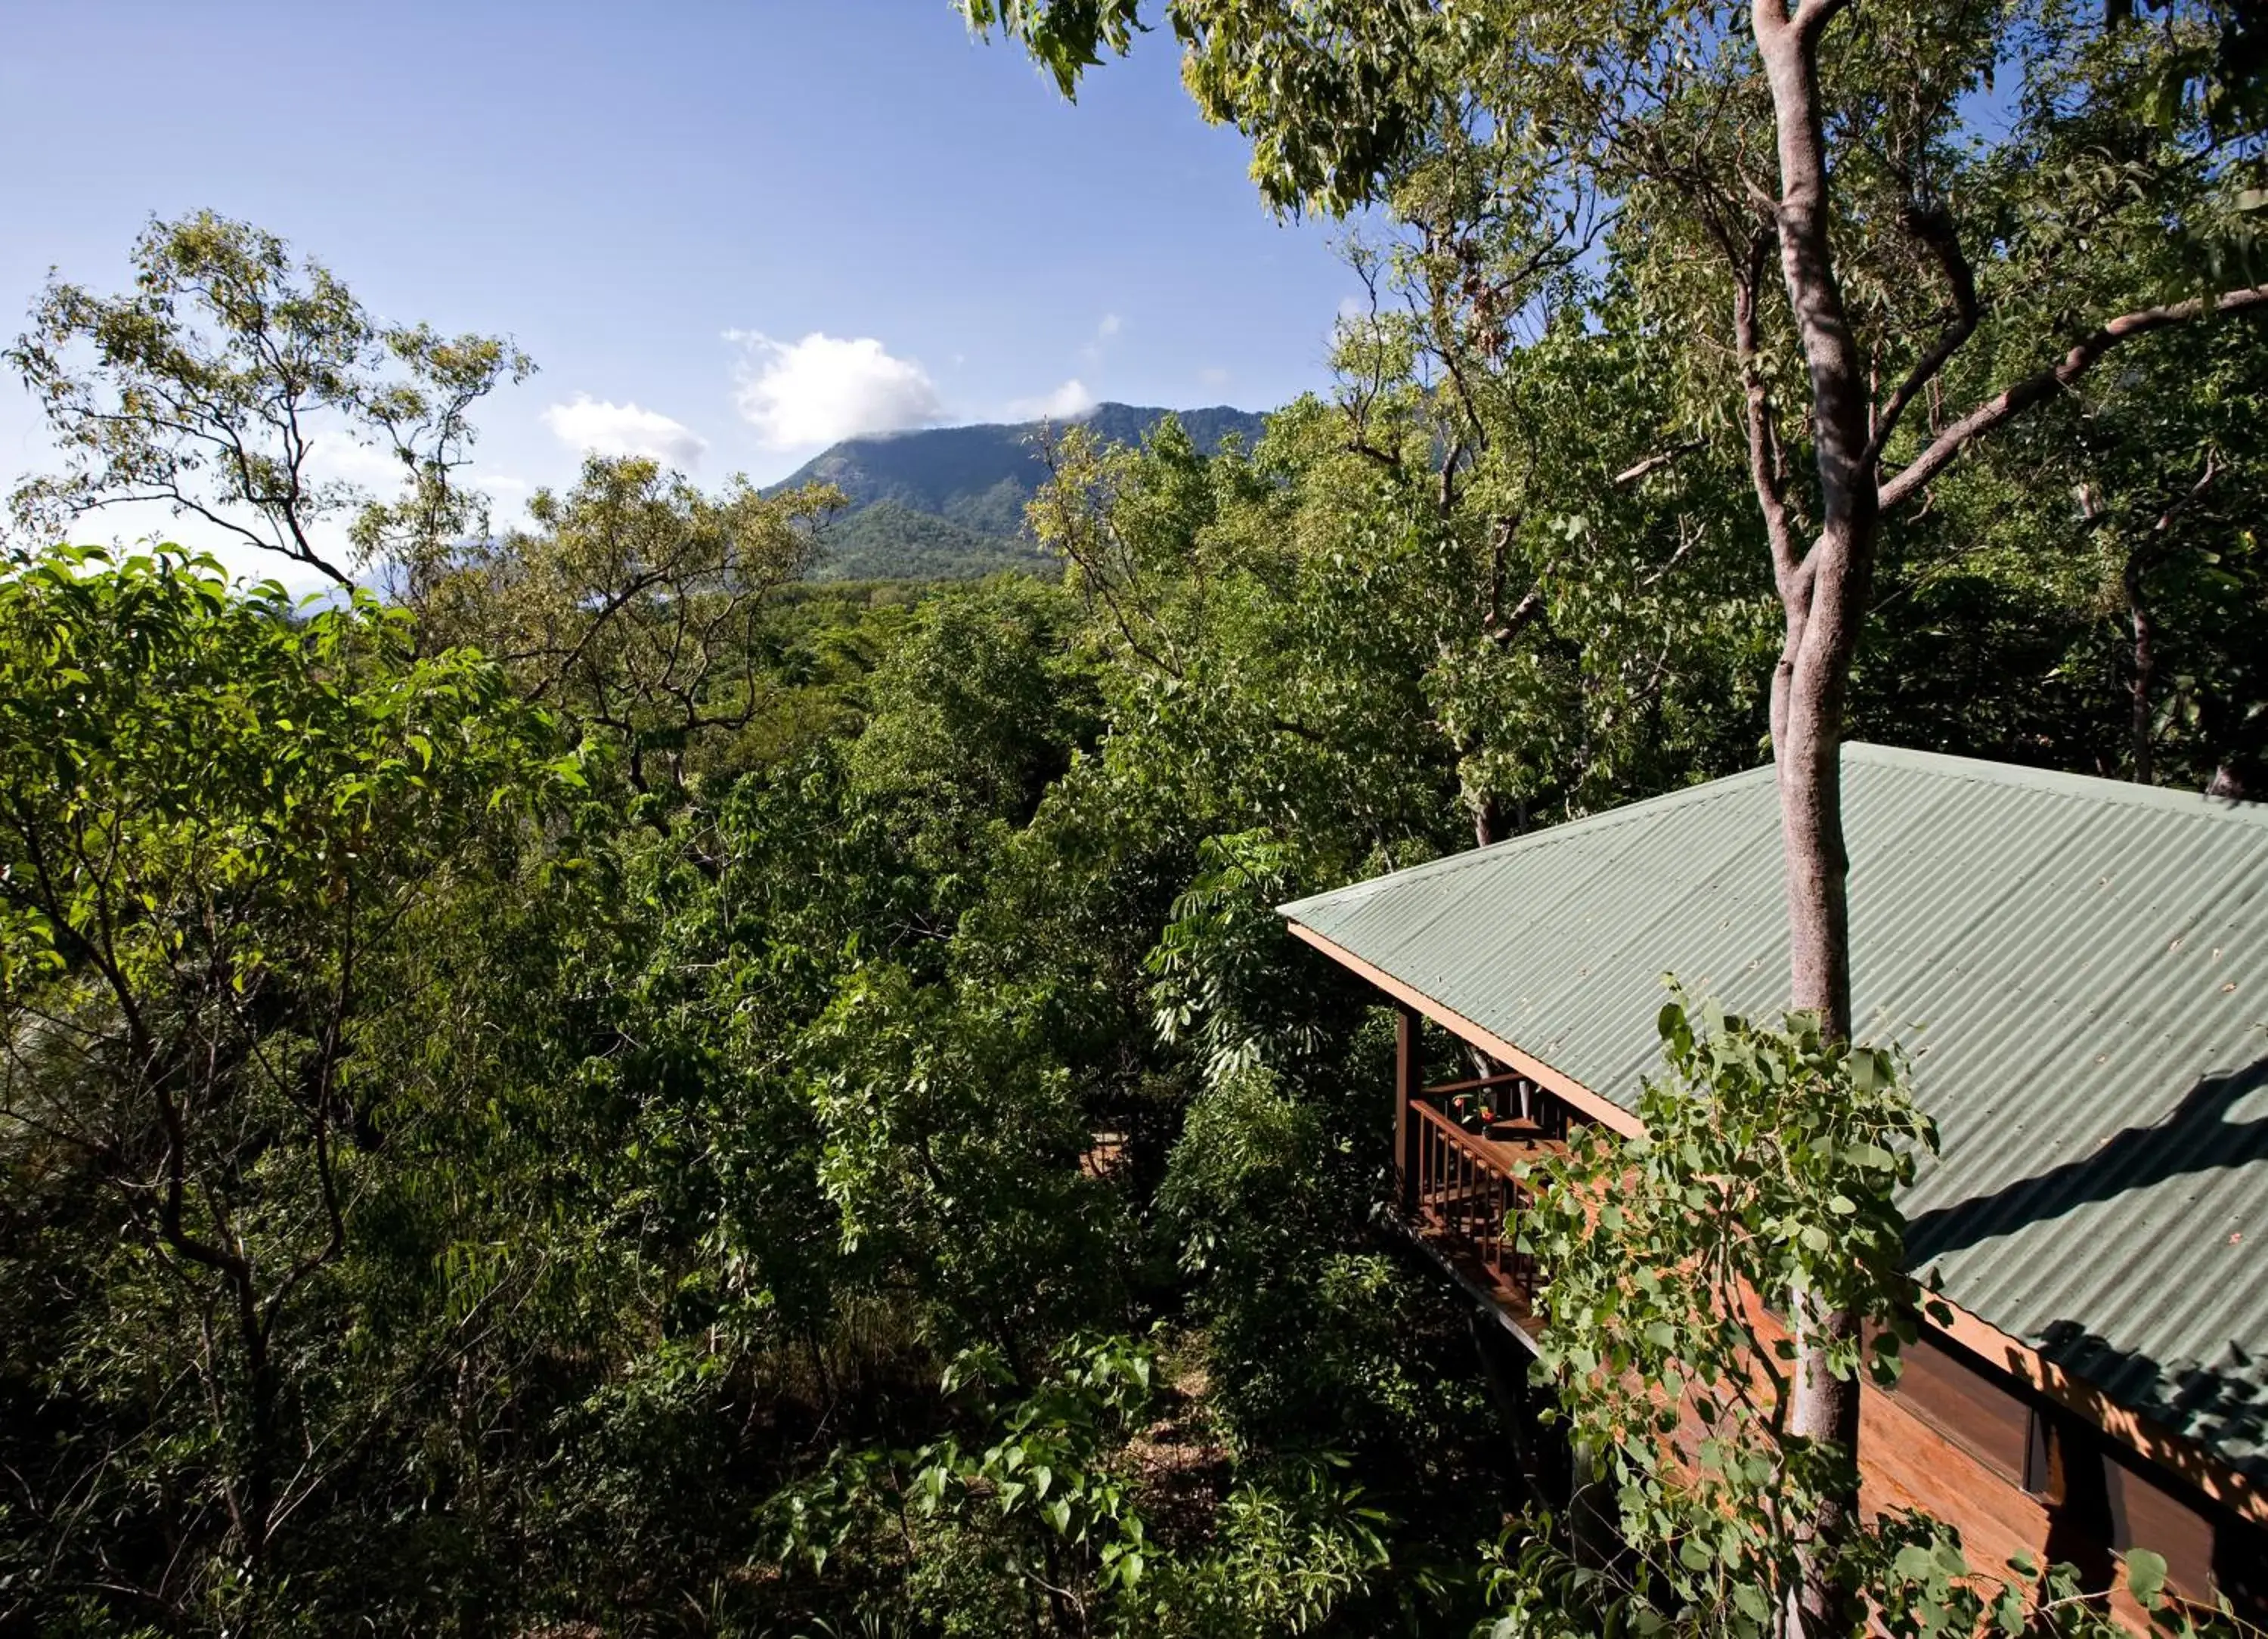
(2079, 966)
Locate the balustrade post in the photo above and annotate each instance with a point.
(1409, 1080)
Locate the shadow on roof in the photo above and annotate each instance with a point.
(2215, 1404)
(2198, 1135)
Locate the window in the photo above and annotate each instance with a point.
(1971, 1404)
(2147, 1512)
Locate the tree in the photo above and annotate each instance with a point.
(1039, 1525)
(220, 819)
(633, 605)
(973, 714)
(1668, 113)
(216, 386)
(2139, 495)
(1657, 111)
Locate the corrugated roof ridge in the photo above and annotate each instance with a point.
(2092, 787)
(1589, 824)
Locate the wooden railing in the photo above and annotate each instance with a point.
(1457, 1146)
(1460, 1187)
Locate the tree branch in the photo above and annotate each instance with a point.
(1934, 227)
(1764, 432)
(2020, 396)
(1658, 459)
(1814, 15)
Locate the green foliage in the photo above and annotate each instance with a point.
(1219, 963)
(972, 715)
(1314, 638)
(1763, 1185)
(2113, 534)
(1037, 1524)
(454, 1183)
(1330, 91)
(634, 604)
(214, 385)
(949, 1150)
(227, 826)
(888, 538)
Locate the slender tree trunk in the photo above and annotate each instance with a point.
(1488, 818)
(1807, 747)
(1807, 703)
(1823, 593)
(257, 1519)
(2145, 670)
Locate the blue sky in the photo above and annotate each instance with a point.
(664, 204)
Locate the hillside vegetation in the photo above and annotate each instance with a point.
(947, 503)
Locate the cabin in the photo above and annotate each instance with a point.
(2078, 970)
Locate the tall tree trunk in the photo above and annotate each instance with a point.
(1806, 748)
(1807, 698)
(1488, 818)
(2146, 669)
(1823, 593)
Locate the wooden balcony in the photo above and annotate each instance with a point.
(1457, 1179)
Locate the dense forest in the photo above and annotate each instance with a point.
(590, 1081)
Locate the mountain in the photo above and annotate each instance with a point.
(947, 502)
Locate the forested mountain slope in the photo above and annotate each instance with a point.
(947, 502)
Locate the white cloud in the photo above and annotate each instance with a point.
(1111, 325)
(604, 428)
(1213, 376)
(825, 387)
(1067, 402)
